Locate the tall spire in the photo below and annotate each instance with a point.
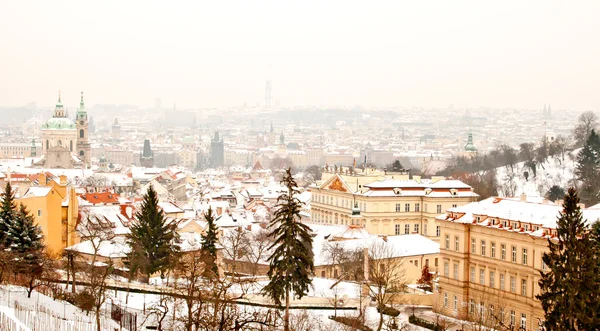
(59, 96)
(81, 113)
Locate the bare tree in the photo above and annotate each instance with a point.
(98, 268)
(387, 278)
(259, 251)
(487, 311)
(587, 122)
(189, 271)
(236, 247)
(160, 311)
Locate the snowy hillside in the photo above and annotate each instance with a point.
(552, 172)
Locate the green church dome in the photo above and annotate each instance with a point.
(59, 123)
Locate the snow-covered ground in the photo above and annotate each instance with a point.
(552, 172)
(41, 312)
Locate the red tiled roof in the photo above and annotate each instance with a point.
(101, 197)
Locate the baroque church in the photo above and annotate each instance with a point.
(65, 144)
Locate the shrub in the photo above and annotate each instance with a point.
(390, 311)
(423, 323)
(352, 322)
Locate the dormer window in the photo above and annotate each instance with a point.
(397, 190)
(453, 191)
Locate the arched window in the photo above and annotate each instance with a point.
(47, 145)
(80, 153)
(71, 145)
(81, 133)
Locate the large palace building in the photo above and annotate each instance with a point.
(388, 204)
(491, 254)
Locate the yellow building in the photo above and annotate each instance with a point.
(491, 254)
(54, 206)
(389, 205)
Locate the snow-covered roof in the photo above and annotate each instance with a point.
(114, 248)
(422, 183)
(37, 191)
(512, 209)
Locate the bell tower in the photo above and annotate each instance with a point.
(83, 145)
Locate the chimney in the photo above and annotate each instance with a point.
(559, 202)
(63, 180)
(523, 197)
(219, 211)
(42, 179)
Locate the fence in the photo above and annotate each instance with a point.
(125, 319)
(40, 318)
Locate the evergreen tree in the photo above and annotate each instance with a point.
(292, 262)
(570, 288)
(26, 253)
(24, 235)
(8, 208)
(209, 243)
(152, 239)
(588, 168)
(555, 193)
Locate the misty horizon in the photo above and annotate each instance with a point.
(424, 55)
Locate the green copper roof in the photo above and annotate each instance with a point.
(469, 147)
(59, 123)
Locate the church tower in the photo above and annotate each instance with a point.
(84, 151)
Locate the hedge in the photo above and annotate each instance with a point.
(423, 323)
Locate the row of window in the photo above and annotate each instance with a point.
(416, 228)
(346, 203)
(492, 250)
(491, 280)
(15, 148)
(331, 219)
(480, 310)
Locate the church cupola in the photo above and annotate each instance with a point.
(469, 147)
(59, 109)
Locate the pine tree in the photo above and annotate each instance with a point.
(25, 236)
(152, 239)
(8, 209)
(570, 288)
(588, 168)
(26, 252)
(292, 262)
(209, 243)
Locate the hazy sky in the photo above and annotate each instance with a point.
(370, 53)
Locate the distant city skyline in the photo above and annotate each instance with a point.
(335, 53)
